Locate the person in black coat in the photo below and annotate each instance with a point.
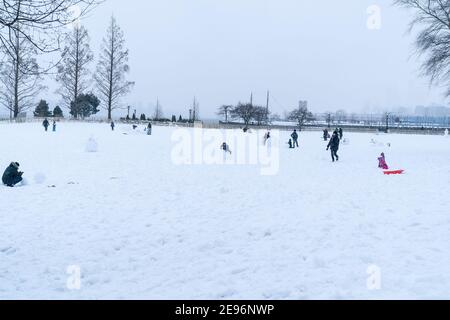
(294, 137)
(334, 146)
(325, 134)
(46, 124)
(112, 125)
(291, 146)
(12, 176)
(341, 133)
(149, 129)
(226, 148)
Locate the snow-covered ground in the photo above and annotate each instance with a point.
(140, 226)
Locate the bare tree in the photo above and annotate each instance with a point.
(225, 111)
(261, 115)
(73, 72)
(433, 40)
(244, 111)
(20, 78)
(112, 68)
(302, 115)
(41, 22)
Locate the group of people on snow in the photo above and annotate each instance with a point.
(46, 124)
(293, 142)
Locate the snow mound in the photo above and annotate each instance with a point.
(39, 178)
(92, 145)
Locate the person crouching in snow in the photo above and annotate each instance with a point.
(12, 175)
(226, 148)
(382, 162)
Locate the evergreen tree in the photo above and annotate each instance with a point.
(57, 112)
(84, 106)
(42, 110)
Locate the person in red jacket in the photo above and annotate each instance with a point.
(382, 162)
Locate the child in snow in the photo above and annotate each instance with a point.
(382, 162)
(266, 137)
(112, 125)
(226, 148)
(54, 126)
(12, 175)
(291, 146)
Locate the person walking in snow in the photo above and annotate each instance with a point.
(334, 146)
(341, 133)
(266, 137)
(12, 175)
(325, 135)
(294, 137)
(149, 129)
(54, 126)
(113, 125)
(46, 124)
(382, 162)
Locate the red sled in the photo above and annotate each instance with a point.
(394, 172)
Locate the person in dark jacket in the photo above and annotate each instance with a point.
(54, 126)
(46, 124)
(226, 148)
(149, 129)
(334, 146)
(341, 133)
(113, 125)
(12, 175)
(291, 146)
(325, 134)
(294, 137)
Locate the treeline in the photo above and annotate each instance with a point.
(82, 91)
(258, 115)
(143, 117)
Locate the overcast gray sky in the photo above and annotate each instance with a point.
(222, 50)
